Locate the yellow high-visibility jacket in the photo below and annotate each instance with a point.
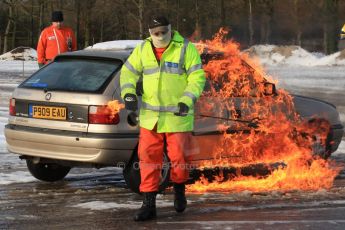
(178, 77)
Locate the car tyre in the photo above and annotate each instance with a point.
(48, 172)
(131, 173)
(321, 148)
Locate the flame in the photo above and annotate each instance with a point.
(299, 175)
(115, 106)
(111, 109)
(277, 134)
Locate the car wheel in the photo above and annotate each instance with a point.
(49, 172)
(131, 173)
(320, 147)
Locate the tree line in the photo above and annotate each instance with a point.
(313, 24)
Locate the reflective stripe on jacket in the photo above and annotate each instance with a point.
(178, 77)
(54, 41)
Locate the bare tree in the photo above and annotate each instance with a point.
(87, 12)
(14, 27)
(11, 4)
(297, 19)
(122, 19)
(222, 13)
(330, 25)
(77, 19)
(61, 4)
(197, 28)
(41, 4)
(250, 22)
(312, 23)
(177, 13)
(139, 17)
(267, 9)
(32, 23)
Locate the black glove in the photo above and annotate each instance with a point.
(133, 119)
(183, 109)
(139, 88)
(131, 102)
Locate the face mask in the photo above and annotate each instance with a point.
(161, 37)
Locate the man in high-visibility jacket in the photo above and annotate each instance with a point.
(54, 40)
(173, 79)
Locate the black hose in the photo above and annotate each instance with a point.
(133, 120)
(253, 123)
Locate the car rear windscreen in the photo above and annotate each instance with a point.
(76, 75)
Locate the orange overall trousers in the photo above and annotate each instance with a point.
(151, 147)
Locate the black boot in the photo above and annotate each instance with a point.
(148, 209)
(180, 202)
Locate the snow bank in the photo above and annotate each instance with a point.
(270, 55)
(20, 53)
(293, 55)
(16, 177)
(116, 45)
(18, 66)
(101, 205)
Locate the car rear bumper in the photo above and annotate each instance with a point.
(103, 149)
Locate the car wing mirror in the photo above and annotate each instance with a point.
(269, 89)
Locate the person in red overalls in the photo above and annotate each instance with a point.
(172, 79)
(54, 40)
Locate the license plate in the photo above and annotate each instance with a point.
(47, 112)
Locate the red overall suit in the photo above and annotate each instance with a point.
(54, 41)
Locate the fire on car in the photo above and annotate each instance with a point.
(248, 134)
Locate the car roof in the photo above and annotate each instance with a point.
(94, 53)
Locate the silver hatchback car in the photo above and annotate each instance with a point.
(55, 121)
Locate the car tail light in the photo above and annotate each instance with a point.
(103, 115)
(12, 107)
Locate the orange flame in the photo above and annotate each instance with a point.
(111, 109)
(115, 106)
(299, 175)
(281, 134)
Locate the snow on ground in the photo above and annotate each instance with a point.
(268, 55)
(16, 177)
(327, 77)
(20, 53)
(101, 205)
(323, 82)
(115, 45)
(3, 121)
(18, 66)
(272, 55)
